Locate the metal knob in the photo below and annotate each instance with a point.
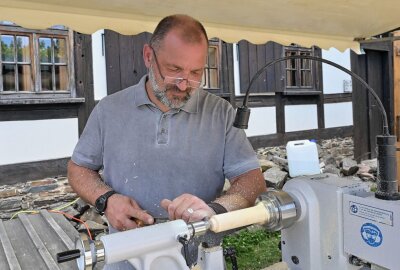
(68, 255)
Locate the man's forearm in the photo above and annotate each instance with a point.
(86, 182)
(244, 191)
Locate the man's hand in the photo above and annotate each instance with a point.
(243, 192)
(124, 213)
(187, 207)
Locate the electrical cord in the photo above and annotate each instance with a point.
(57, 211)
(76, 219)
(36, 211)
(24, 211)
(66, 205)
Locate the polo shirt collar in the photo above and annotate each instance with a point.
(141, 97)
(192, 106)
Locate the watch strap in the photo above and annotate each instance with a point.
(104, 197)
(218, 208)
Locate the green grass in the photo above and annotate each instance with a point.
(255, 250)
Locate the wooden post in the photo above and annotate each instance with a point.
(396, 90)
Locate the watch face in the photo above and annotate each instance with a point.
(100, 204)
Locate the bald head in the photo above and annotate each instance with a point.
(187, 28)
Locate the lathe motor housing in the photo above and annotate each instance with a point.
(339, 218)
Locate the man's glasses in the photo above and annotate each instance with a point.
(175, 80)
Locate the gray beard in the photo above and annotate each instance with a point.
(161, 93)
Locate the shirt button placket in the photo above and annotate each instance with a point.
(162, 134)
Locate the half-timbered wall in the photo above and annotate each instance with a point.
(282, 115)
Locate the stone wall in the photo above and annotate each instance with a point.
(335, 156)
(46, 193)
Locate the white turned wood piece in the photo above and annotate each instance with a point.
(253, 215)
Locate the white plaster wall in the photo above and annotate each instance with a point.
(334, 79)
(338, 114)
(27, 141)
(99, 66)
(236, 73)
(262, 121)
(300, 117)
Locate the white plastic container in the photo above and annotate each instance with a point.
(302, 158)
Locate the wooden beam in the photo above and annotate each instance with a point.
(111, 41)
(38, 112)
(337, 98)
(268, 100)
(84, 77)
(396, 90)
(362, 147)
(23, 172)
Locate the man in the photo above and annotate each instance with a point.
(165, 145)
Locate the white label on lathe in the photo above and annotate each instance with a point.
(371, 213)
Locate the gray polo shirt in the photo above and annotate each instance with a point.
(150, 155)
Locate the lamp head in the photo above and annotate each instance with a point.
(242, 117)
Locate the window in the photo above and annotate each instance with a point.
(53, 63)
(211, 78)
(299, 73)
(16, 63)
(35, 64)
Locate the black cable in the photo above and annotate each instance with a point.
(318, 59)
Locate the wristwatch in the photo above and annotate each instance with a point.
(101, 202)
